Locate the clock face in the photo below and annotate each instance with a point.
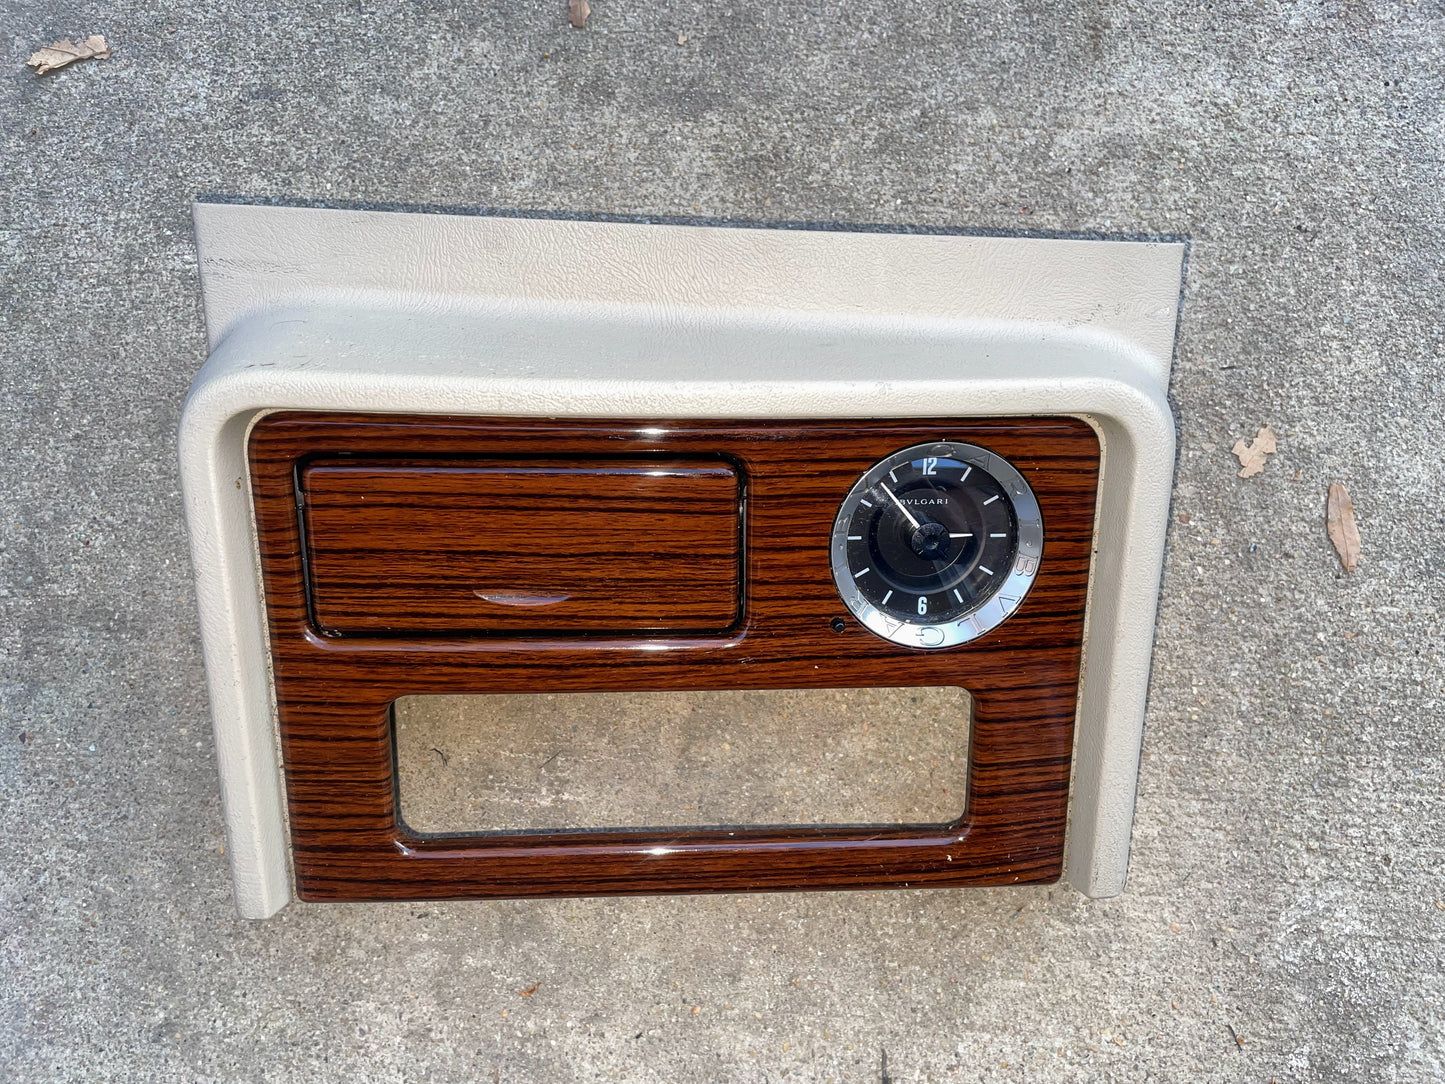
(937, 544)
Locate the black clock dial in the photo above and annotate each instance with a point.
(932, 535)
(936, 536)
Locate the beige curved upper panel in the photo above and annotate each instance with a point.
(258, 257)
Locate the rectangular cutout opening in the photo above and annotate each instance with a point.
(562, 761)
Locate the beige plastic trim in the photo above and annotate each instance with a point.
(460, 314)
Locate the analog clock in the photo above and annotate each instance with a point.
(937, 544)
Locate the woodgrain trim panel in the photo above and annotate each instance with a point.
(334, 694)
(536, 545)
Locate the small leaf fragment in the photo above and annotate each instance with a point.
(529, 991)
(1251, 455)
(577, 12)
(67, 52)
(1340, 522)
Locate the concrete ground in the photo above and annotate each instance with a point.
(1286, 906)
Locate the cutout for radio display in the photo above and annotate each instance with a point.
(669, 759)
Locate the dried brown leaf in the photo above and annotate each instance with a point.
(577, 12)
(529, 991)
(1251, 455)
(67, 52)
(1340, 522)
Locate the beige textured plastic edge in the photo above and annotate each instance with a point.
(457, 314)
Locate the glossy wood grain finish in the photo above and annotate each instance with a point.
(536, 545)
(334, 693)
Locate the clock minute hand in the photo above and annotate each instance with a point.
(907, 515)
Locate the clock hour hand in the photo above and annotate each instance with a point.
(907, 515)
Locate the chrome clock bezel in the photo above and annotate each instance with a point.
(996, 607)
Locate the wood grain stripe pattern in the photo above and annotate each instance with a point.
(541, 545)
(334, 691)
